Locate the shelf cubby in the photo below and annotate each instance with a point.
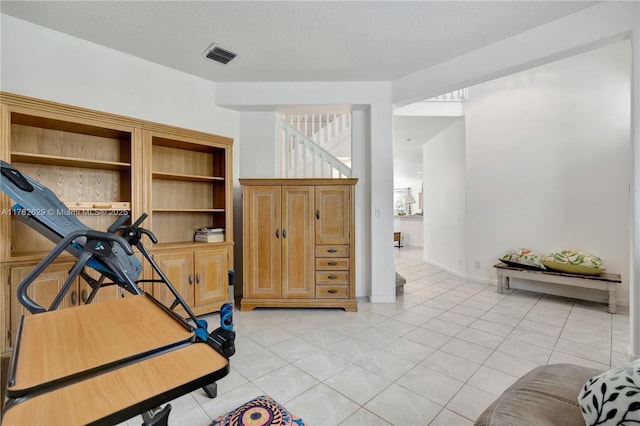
(188, 188)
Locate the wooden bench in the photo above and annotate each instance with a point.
(604, 281)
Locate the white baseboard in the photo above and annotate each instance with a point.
(383, 298)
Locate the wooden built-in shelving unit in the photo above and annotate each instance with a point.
(103, 165)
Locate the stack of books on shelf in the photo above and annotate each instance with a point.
(210, 235)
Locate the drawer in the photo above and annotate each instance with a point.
(332, 251)
(336, 263)
(332, 277)
(332, 291)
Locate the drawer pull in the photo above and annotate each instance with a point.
(332, 291)
(332, 251)
(332, 277)
(332, 263)
(83, 295)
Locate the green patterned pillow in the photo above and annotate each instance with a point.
(574, 261)
(522, 257)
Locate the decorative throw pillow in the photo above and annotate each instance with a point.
(522, 257)
(574, 261)
(613, 397)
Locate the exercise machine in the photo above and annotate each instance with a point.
(110, 253)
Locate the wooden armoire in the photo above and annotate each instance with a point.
(298, 243)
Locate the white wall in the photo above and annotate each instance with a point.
(73, 71)
(548, 167)
(444, 199)
(548, 161)
(258, 152)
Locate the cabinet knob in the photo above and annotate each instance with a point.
(332, 263)
(332, 251)
(284, 232)
(277, 233)
(190, 279)
(332, 291)
(318, 214)
(332, 277)
(83, 295)
(74, 297)
(198, 278)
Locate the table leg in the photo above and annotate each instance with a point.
(613, 302)
(500, 289)
(157, 417)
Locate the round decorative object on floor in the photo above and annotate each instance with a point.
(260, 411)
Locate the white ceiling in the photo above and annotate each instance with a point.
(294, 40)
(298, 40)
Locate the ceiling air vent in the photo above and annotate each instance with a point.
(219, 54)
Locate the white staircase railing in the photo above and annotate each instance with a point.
(460, 95)
(326, 130)
(302, 157)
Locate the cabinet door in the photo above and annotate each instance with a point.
(43, 290)
(333, 214)
(212, 282)
(262, 241)
(178, 267)
(298, 246)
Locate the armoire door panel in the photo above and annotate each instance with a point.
(263, 251)
(298, 246)
(332, 214)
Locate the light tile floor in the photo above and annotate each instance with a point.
(438, 356)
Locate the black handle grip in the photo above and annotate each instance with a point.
(332, 277)
(332, 291)
(284, 232)
(277, 233)
(318, 214)
(141, 219)
(332, 263)
(119, 222)
(149, 234)
(332, 251)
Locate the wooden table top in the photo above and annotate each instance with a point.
(115, 396)
(58, 345)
